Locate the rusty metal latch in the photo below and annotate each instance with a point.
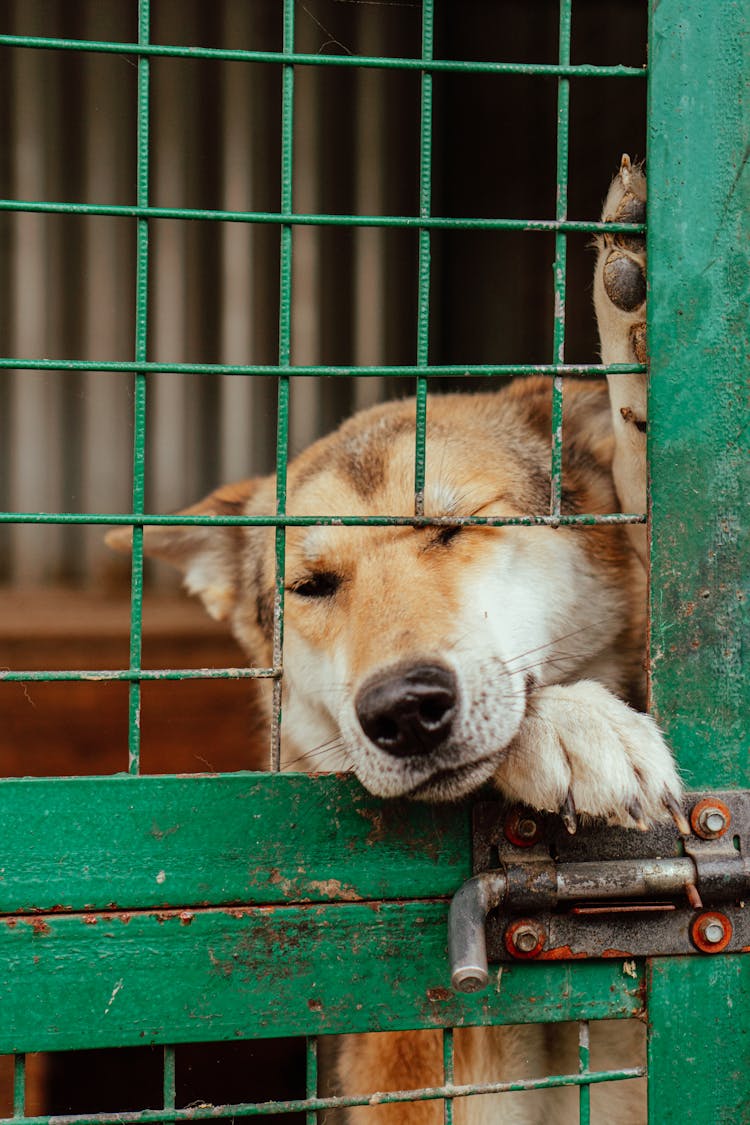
(540, 893)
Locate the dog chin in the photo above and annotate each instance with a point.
(443, 785)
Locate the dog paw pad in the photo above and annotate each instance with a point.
(624, 282)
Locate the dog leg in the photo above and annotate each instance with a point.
(413, 1059)
(582, 751)
(389, 1061)
(620, 302)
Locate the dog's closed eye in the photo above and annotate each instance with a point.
(440, 537)
(319, 584)
(445, 534)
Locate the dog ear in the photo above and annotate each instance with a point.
(207, 556)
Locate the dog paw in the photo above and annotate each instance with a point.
(620, 274)
(621, 264)
(620, 302)
(623, 255)
(580, 751)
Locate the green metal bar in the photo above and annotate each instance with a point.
(584, 1058)
(285, 343)
(423, 269)
(169, 1078)
(249, 838)
(19, 1086)
(699, 201)
(698, 205)
(129, 675)
(136, 520)
(311, 1077)
(699, 1030)
(241, 837)
(300, 59)
(448, 1073)
(255, 1109)
(561, 211)
(208, 975)
(584, 370)
(298, 219)
(139, 392)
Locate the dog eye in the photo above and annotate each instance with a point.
(445, 535)
(323, 584)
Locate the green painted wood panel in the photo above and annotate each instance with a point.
(699, 267)
(699, 194)
(127, 842)
(699, 1043)
(127, 979)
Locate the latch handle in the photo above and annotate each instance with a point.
(467, 943)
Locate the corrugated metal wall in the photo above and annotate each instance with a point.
(68, 281)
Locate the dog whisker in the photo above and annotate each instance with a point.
(554, 661)
(334, 745)
(555, 641)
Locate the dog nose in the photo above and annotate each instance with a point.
(408, 711)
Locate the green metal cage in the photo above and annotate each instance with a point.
(92, 956)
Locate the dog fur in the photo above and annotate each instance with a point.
(526, 644)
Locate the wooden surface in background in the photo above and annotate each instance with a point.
(65, 728)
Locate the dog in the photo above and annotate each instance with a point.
(433, 659)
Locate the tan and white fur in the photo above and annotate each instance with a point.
(432, 660)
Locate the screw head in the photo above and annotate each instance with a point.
(521, 828)
(711, 932)
(525, 938)
(710, 819)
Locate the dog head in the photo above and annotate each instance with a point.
(411, 651)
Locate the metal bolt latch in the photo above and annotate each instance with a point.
(540, 893)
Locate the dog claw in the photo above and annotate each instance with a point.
(568, 815)
(636, 813)
(674, 809)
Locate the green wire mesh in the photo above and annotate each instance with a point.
(140, 368)
(286, 219)
(312, 1103)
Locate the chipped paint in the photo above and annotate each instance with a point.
(334, 890)
(115, 990)
(161, 833)
(561, 953)
(435, 995)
